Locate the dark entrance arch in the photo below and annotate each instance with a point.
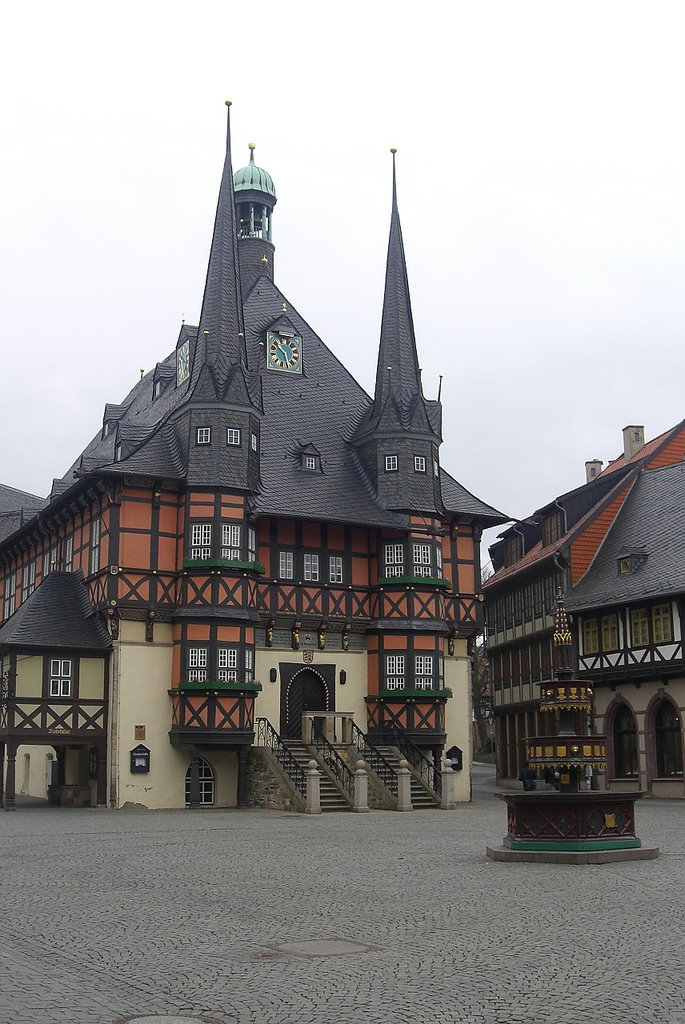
(306, 691)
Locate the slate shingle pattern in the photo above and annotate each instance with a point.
(56, 615)
(652, 519)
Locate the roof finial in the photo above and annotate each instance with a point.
(251, 146)
(393, 150)
(229, 103)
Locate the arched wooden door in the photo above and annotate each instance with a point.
(306, 692)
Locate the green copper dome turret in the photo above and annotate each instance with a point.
(253, 178)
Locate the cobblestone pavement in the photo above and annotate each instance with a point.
(108, 915)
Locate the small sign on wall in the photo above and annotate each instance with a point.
(139, 732)
(140, 760)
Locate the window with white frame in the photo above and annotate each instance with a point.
(422, 559)
(390, 463)
(60, 677)
(251, 544)
(310, 462)
(394, 672)
(230, 541)
(419, 464)
(204, 435)
(249, 665)
(157, 389)
(394, 559)
(285, 565)
(335, 568)
(436, 468)
(197, 664)
(227, 664)
(201, 541)
(69, 553)
(253, 442)
(28, 580)
(438, 555)
(49, 561)
(10, 594)
(94, 545)
(423, 671)
(311, 566)
(233, 435)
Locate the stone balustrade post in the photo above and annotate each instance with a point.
(361, 788)
(313, 805)
(448, 797)
(404, 787)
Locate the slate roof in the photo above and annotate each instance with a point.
(651, 521)
(16, 508)
(57, 615)
(323, 406)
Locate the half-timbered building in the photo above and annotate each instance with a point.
(248, 539)
(614, 547)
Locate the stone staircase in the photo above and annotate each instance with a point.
(421, 796)
(331, 797)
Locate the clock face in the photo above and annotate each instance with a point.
(284, 352)
(183, 363)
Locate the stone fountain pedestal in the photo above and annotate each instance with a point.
(571, 828)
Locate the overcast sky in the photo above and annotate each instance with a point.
(541, 161)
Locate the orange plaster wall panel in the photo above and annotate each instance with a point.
(285, 531)
(336, 536)
(176, 665)
(136, 516)
(464, 546)
(141, 583)
(167, 519)
(466, 579)
(372, 673)
(134, 550)
(167, 553)
(311, 535)
(228, 634)
(201, 511)
(197, 631)
(394, 643)
(264, 556)
(231, 512)
(360, 572)
(424, 643)
(585, 547)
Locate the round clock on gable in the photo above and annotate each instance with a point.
(284, 352)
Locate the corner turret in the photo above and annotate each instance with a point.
(255, 198)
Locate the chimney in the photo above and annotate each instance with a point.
(592, 469)
(633, 441)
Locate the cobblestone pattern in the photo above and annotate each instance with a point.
(107, 915)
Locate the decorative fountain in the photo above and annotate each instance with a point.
(571, 824)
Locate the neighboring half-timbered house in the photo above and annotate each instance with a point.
(614, 546)
(261, 540)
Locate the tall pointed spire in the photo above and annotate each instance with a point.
(221, 325)
(398, 372)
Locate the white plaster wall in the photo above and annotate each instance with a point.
(140, 682)
(458, 713)
(31, 774)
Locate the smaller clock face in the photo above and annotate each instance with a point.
(284, 352)
(183, 362)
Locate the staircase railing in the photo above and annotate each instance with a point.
(338, 768)
(418, 760)
(375, 760)
(268, 737)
